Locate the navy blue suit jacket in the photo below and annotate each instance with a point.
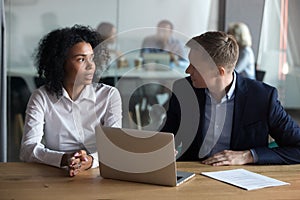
(257, 114)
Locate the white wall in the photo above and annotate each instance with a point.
(189, 17)
(29, 20)
(249, 12)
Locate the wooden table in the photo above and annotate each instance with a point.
(37, 181)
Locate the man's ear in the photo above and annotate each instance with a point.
(222, 70)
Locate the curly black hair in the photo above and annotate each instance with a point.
(51, 54)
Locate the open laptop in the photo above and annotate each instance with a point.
(138, 156)
(156, 61)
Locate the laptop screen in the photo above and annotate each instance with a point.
(134, 155)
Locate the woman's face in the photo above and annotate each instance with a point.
(79, 66)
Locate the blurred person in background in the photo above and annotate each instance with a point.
(246, 61)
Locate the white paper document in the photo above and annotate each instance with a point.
(244, 179)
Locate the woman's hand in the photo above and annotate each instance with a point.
(77, 162)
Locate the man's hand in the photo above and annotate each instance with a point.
(228, 157)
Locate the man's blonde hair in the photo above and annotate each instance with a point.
(221, 47)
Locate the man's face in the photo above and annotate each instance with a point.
(164, 32)
(201, 69)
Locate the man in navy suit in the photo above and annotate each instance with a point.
(221, 118)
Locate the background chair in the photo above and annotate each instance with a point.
(133, 101)
(260, 74)
(18, 96)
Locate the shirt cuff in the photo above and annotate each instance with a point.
(254, 155)
(95, 160)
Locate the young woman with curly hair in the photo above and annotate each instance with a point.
(61, 115)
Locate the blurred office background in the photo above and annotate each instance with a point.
(273, 25)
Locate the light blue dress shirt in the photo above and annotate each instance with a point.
(218, 122)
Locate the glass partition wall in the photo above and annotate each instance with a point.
(279, 52)
(27, 21)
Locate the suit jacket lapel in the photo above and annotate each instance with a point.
(201, 97)
(239, 108)
(201, 100)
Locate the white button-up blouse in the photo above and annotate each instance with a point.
(54, 126)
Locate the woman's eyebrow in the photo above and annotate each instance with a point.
(82, 54)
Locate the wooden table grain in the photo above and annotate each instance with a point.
(38, 181)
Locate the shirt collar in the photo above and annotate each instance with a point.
(88, 93)
(230, 93)
(171, 39)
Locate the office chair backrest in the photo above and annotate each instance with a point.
(260, 74)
